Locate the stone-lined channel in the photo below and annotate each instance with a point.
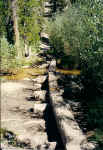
(51, 125)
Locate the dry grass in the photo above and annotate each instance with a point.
(68, 72)
(24, 73)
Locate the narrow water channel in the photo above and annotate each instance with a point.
(50, 122)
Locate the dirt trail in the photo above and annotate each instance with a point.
(17, 113)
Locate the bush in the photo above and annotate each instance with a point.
(66, 35)
(78, 29)
(7, 55)
(76, 37)
(9, 59)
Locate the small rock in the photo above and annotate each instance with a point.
(39, 139)
(89, 145)
(23, 139)
(44, 66)
(40, 95)
(39, 108)
(37, 86)
(40, 79)
(47, 146)
(52, 145)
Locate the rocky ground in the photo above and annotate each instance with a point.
(22, 107)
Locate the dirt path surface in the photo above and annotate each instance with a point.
(17, 113)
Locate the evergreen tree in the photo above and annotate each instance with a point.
(6, 21)
(30, 20)
(14, 7)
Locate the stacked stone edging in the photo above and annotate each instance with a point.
(72, 136)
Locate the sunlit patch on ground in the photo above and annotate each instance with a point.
(68, 72)
(24, 73)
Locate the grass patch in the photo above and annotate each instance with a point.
(24, 73)
(23, 69)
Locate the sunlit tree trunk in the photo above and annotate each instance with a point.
(26, 50)
(16, 30)
(68, 4)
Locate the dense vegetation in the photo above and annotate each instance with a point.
(77, 43)
(21, 24)
(78, 40)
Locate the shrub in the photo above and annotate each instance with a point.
(7, 55)
(66, 35)
(78, 29)
(77, 33)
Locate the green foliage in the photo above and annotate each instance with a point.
(9, 59)
(3, 14)
(91, 65)
(7, 55)
(59, 5)
(30, 20)
(95, 121)
(66, 40)
(6, 23)
(81, 28)
(78, 32)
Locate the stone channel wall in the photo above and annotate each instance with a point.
(72, 136)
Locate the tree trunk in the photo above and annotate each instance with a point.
(68, 4)
(26, 50)
(15, 25)
(30, 52)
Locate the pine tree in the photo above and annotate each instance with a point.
(30, 20)
(14, 7)
(5, 18)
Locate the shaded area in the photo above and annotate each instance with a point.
(87, 109)
(50, 122)
(45, 40)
